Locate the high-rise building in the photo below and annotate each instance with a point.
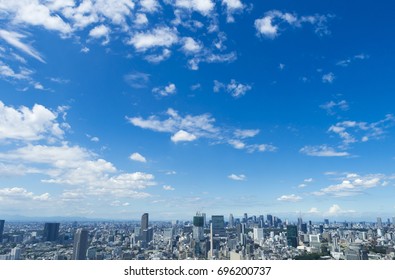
(218, 226)
(80, 244)
(16, 253)
(292, 236)
(198, 227)
(379, 223)
(144, 222)
(1, 230)
(231, 221)
(269, 219)
(51, 231)
(258, 234)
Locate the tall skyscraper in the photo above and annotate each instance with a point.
(80, 244)
(269, 219)
(231, 221)
(1, 230)
(144, 222)
(51, 231)
(198, 227)
(379, 223)
(292, 236)
(218, 226)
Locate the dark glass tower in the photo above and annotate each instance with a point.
(1, 230)
(51, 231)
(292, 236)
(144, 222)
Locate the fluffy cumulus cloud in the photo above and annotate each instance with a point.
(190, 128)
(322, 151)
(235, 177)
(232, 7)
(328, 78)
(100, 31)
(352, 184)
(234, 88)
(170, 89)
(17, 194)
(183, 136)
(150, 5)
(138, 157)
(77, 166)
(168, 188)
(158, 37)
(272, 22)
(289, 198)
(204, 7)
(191, 46)
(336, 210)
(29, 124)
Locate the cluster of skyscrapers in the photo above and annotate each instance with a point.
(249, 237)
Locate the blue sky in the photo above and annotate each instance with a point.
(115, 108)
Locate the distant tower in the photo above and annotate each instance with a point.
(16, 253)
(379, 223)
(80, 244)
(231, 221)
(1, 230)
(144, 222)
(51, 231)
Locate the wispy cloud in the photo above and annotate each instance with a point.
(235, 177)
(289, 198)
(273, 21)
(322, 151)
(14, 39)
(234, 88)
(190, 128)
(138, 157)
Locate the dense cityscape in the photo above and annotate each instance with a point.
(245, 238)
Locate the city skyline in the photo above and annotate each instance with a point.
(112, 108)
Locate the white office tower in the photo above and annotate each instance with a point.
(16, 253)
(258, 235)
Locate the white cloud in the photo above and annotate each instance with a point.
(335, 210)
(346, 62)
(233, 88)
(21, 194)
(353, 131)
(158, 37)
(269, 25)
(141, 19)
(265, 27)
(331, 106)
(205, 7)
(150, 5)
(191, 46)
(232, 7)
(170, 89)
(246, 133)
(289, 198)
(137, 79)
(235, 177)
(156, 58)
(32, 12)
(200, 126)
(99, 32)
(168, 188)
(352, 184)
(322, 151)
(328, 78)
(138, 157)
(29, 124)
(313, 210)
(7, 72)
(237, 144)
(14, 39)
(308, 180)
(95, 139)
(76, 166)
(183, 136)
(85, 50)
